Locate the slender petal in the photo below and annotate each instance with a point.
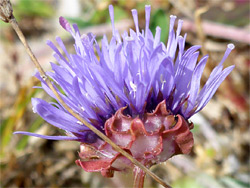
(48, 137)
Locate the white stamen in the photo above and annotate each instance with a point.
(133, 86)
(162, 81)
(231, 46)
(80, 123)
(34, 110)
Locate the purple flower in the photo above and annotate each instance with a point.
(135, 70)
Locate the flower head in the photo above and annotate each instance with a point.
(136, 90)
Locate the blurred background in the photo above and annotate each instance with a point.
(220, 156)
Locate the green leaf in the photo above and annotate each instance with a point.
(206, 180)
(79, 21)
(233, 183)
(211, 152)
(119, 13)
(161, 19)
(23, 98)
(196, 128)
(186, 182)
(100, 16)
(33, 8)
(24, 141)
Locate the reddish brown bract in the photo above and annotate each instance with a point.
(152, 139)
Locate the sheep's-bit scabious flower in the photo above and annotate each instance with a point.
(136, 90)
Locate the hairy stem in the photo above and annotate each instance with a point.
(5, 4)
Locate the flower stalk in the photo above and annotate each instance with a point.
(139, 176)
(6, 14)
